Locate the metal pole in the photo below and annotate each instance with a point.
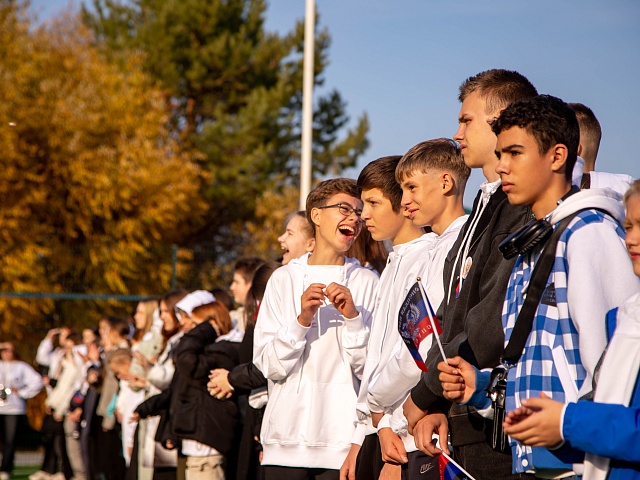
(307, 101)
(174, 266)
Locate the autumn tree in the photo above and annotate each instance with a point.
(94, 188)
(234, 94)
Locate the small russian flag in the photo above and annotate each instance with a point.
(416, 322)
(450, 470)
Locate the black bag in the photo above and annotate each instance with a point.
(497, 392)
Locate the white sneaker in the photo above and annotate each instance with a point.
(40, 475)
(4, 475)
(57, 476)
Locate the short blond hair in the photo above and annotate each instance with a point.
(634, 189)
(120, 356)
(498, 87)
(440, 154)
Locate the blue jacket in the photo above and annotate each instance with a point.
(608, 430)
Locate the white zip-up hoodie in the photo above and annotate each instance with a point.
(313, 373)
(617, 382)
(405, 263)
(24, 382)
(389, 390)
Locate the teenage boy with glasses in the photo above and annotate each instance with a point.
(310, 342)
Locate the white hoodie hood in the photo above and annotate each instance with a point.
(600, 198)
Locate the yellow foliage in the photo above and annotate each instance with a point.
(272, 209)
(94, 188)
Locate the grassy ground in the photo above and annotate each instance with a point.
(22, 473)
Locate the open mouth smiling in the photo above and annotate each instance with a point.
(347, 230)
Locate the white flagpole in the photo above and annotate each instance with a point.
(432, 314)
(458, 465)
(307, 102)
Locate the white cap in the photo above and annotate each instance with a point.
(195, 299)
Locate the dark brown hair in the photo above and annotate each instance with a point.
(368, 251)
(256, 292)
(246, 267)
(549, 120)
(170, 299)
(327, 189)
(119, 325)
(380, 174)
(223, 297)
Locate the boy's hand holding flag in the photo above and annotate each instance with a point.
(416, 321)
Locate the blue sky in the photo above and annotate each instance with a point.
(402, 61)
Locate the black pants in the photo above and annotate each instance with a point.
(87, 435)
(9, 431)
(420, 467)
(248, 464)
(274, 472)
(109, 462)
(369, 462)
(55, 447)
(483, 463)
(132, 469)
(164, 473)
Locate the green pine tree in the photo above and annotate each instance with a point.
(234, 92)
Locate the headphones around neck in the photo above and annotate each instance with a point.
(526, 238)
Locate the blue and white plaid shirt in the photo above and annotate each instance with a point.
(551, 360)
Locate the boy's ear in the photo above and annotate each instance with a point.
(560, 153)
(447, 182)
(494, 116)
(315, 216)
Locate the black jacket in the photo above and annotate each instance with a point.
(193, 414)
(246, 376)
(472, 323)
(158, 405)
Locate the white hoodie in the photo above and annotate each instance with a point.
(313, 373)
(390, 388)
(24, 382)
(618, 182)
(405, 263)
(590, 300)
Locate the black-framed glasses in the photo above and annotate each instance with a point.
(345, 209)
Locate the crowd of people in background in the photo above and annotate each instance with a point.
(398, 337)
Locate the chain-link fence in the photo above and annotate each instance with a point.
(27, 314)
